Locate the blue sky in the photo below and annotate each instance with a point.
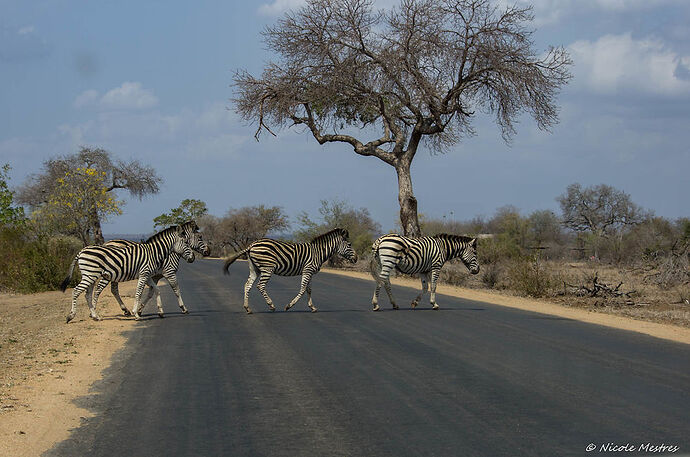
(151, 80)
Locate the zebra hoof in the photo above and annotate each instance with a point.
(313, 310)
(137, 316)
(413, 304)
(126, 313)
(376, 308)
(69, 318)
(272, 308)
(96, 318)
(161, 315)
(435, 307)
(396, 307)
(287, 307)
(185, 311)
(249, 311)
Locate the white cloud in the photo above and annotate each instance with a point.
(25, 30)
(210, 131)
(277, 7)
(129, 95)
(22, 44)
(619, 63)
(86, 98)
(549, 12)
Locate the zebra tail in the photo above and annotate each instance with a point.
(232, 258)
(65, 283)
(375, 264)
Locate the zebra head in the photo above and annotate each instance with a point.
(181, 245)
(344, 248)
(469, 256)
(195, 240)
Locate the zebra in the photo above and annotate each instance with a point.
(168, 271)
(425, 255)
(112, 263)
(267, 256)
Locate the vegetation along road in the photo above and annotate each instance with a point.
(470, 379)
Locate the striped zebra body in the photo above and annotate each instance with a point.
(168, 270)
(424, 255)
(100, 265)
(267, 257)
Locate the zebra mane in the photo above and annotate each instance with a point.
(162, 233)
(337, 231)
(451, 237)
(171, 229)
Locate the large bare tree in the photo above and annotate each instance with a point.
(385, 82)
(134, 177)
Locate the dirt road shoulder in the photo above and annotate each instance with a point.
(46, 364)
(664, 331)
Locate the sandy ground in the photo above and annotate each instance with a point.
(45, 364)
(664, 331)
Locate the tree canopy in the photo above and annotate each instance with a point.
(598, 209)
(189, 209)
(114, 174)
(9, 214)
(417, 72)
(239, 227)
(79, 197)
(338, 213)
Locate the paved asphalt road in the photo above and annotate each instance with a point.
(470, 379)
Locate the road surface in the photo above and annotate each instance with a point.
(472, 379)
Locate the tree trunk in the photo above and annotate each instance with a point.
(97, 230)
(408, 203)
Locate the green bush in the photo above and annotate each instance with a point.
(34, 264)
(530, 277)
(497, 249)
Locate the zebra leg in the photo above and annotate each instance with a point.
(86, 284)
(153, 287)
(172, 280)
(143, 279)
(102, 284)
(384, 280)
(263, 279)
(311, 304)
(375, 299)
(434, 279)
(425, 279)
(389, 292)
(306, 277)
(248, 285)
(149, 295)
(116, 293)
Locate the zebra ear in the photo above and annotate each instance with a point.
(346, 234)
(473, 243)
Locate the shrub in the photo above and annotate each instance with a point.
(530, 277)
(34, 264)
(491, 275)
(455, 274)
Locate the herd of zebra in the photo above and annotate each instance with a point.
(159, 257)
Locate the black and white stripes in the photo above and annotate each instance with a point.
(111, 263)
(424, 255)
(168, 270)
(267, 257)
